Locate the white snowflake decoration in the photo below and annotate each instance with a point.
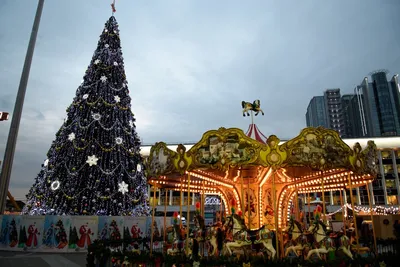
(46, 162)
(85, 96)
(106, 46)
(103, 79)
(55, 185)
(71, 137)
(123, 85)
(118, 140)
(139, 168)
(131, 123)
(115, 63)
(97, 61)
(105, 30)
(123, 187)
(117, 98)
(92, 160)
(96, 116)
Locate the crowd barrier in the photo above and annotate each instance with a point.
(72, 233)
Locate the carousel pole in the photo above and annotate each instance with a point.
(152, 219)
(188, 214)
(323, 199)
(165, 214)
(275, 212)
(309, 209)
(352, 208)
(203, 200)
(180, 205)
(372, 218)
(343, 211)
(242, 193)
(248, 201)
(296, 204)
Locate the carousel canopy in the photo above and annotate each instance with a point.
(254, 133)
(245, 172)
(303, 160)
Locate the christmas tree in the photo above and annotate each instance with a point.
(61, 235)
(115, 233)
(94, 166)
(73, 237)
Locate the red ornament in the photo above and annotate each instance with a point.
(175, 214)
(197, 205)
(240, 213)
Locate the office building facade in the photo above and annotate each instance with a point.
(327, 111)
(379, 102)
(316, 112)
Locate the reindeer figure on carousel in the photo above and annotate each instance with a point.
(243, 237)
(323, 243)
(247, 106)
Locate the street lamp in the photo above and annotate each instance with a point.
(19, 103)
(4, 116)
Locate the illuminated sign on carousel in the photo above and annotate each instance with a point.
(210, 201)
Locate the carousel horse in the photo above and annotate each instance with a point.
(214, 238)
(323, 243)
(352, 243)
(247, 106)
(344, 244)
(298, 239)
(178, 241)
(243, 237)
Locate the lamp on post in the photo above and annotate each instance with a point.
(4, 116)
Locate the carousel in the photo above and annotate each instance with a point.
(259, 181)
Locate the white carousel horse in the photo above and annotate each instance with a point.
(323, 243)
(178, 243)
(243, 237)
(212, 233)
(344, 245)
(298, 238)
(247, 106)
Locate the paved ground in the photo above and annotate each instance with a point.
(21, 259)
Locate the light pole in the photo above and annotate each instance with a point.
(4, 117)
(16, 116)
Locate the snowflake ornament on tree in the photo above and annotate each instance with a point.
(93, 162)
(123, 188)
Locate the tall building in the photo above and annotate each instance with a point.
(326, 111)
(379, 105)
(351, 115)
(316, 112)
(334, 110)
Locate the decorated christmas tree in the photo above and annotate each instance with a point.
(94, 166)
(73, 237)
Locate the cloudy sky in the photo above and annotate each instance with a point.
(190, 63)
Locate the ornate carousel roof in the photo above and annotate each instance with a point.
(224, 154)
